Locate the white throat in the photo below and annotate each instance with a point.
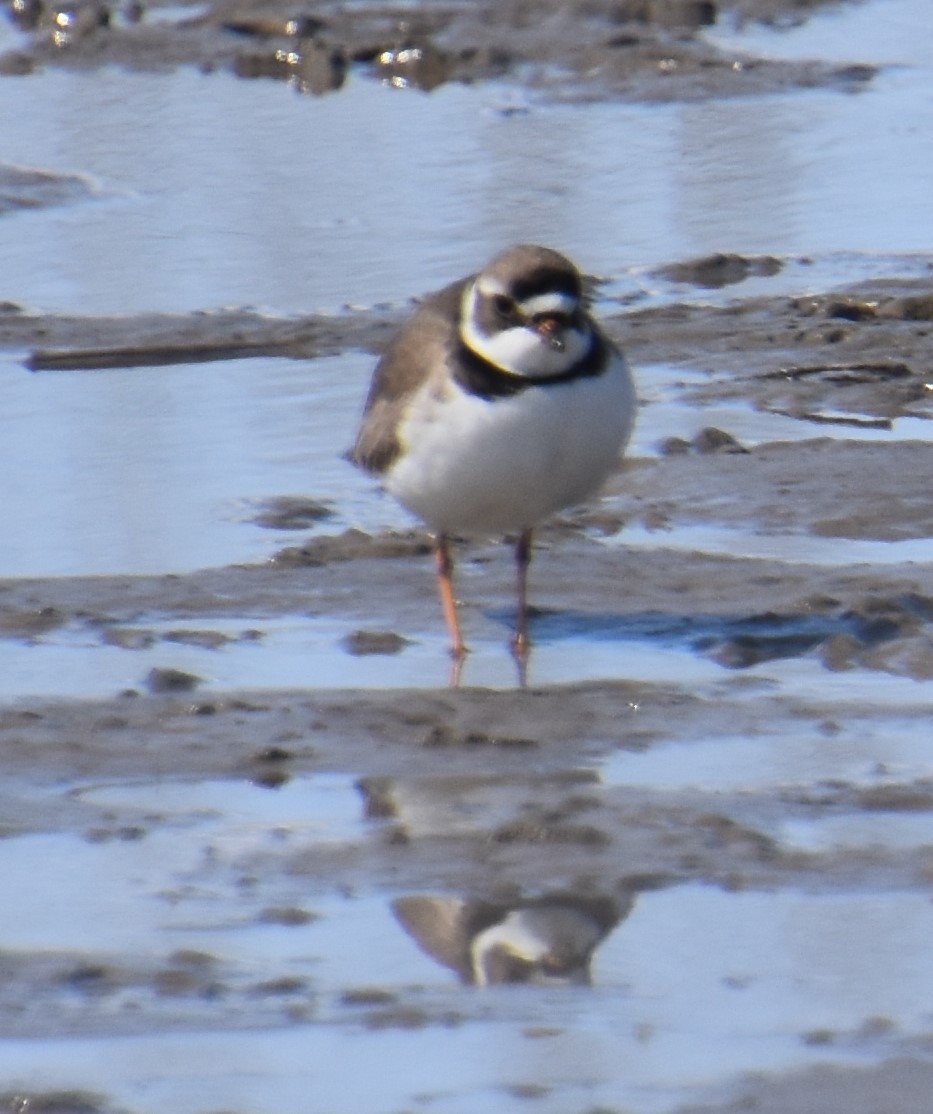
(521, 350)
(516, 935)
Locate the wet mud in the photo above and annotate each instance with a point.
(783, 586)
(642, 49)
(498, 796)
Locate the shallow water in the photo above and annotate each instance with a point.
(790, 548)
(866, 755)
(244, 193)
(215, 202)
(631, 1042)
(166, 469)
(190, 213)
(155, 470)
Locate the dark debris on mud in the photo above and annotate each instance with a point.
(641, 49)
(498, 793)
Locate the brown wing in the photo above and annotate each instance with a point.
(444, 927)
(440, 927)
(420, 347)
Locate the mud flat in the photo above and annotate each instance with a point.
(219, 782)
(754, 737)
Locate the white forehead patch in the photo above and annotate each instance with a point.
(489, 287)
(554, 302)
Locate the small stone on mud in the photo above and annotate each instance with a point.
(819, 1037)
(853, 309)
(161, 680)
(674, 446)
(720, 269)
(16, 64)
(177, 982)
(841, 652)
(288, 916)
(30, 623)
(444, 736)
(89, 976)
(360, 643)
(292, 512)
(398, 1017)
(910, 307)
(528, 1090)
(274, 754)
(351, 545)
(192, 957)
(367, 996)
(128, 638)
(378, 800)
(898, 798)
(271, 779)
(687, 15)
(712, 440)
(204, 639)
(287, 984)
(533, 831)
(707, 441)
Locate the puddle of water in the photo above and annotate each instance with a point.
(570, 660)
(760, 970)
(156, 470)
(199, 214)
(151, 470)
(883, 32)
(308, 652)
(753, 965)
(290, 654)
(150, 889)
(862, 831)
(191, 214)
(868, 754)
(801, 679)
(323, 807)
(790, 548)
(667, 411)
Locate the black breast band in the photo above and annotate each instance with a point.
(477, 376)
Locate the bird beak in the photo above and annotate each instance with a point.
(550, 327)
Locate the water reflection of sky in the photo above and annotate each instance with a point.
(212, 191)
(215, 191)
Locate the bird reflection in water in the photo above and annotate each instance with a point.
(548, 941)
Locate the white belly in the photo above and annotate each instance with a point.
(475, 466)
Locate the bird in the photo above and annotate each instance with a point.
(497, 403)
(546, 941)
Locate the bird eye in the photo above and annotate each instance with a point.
(503, 305)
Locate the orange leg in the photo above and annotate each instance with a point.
(521, 642)
(445, 568)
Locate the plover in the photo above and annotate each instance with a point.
(498, 403)
(547, 941)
